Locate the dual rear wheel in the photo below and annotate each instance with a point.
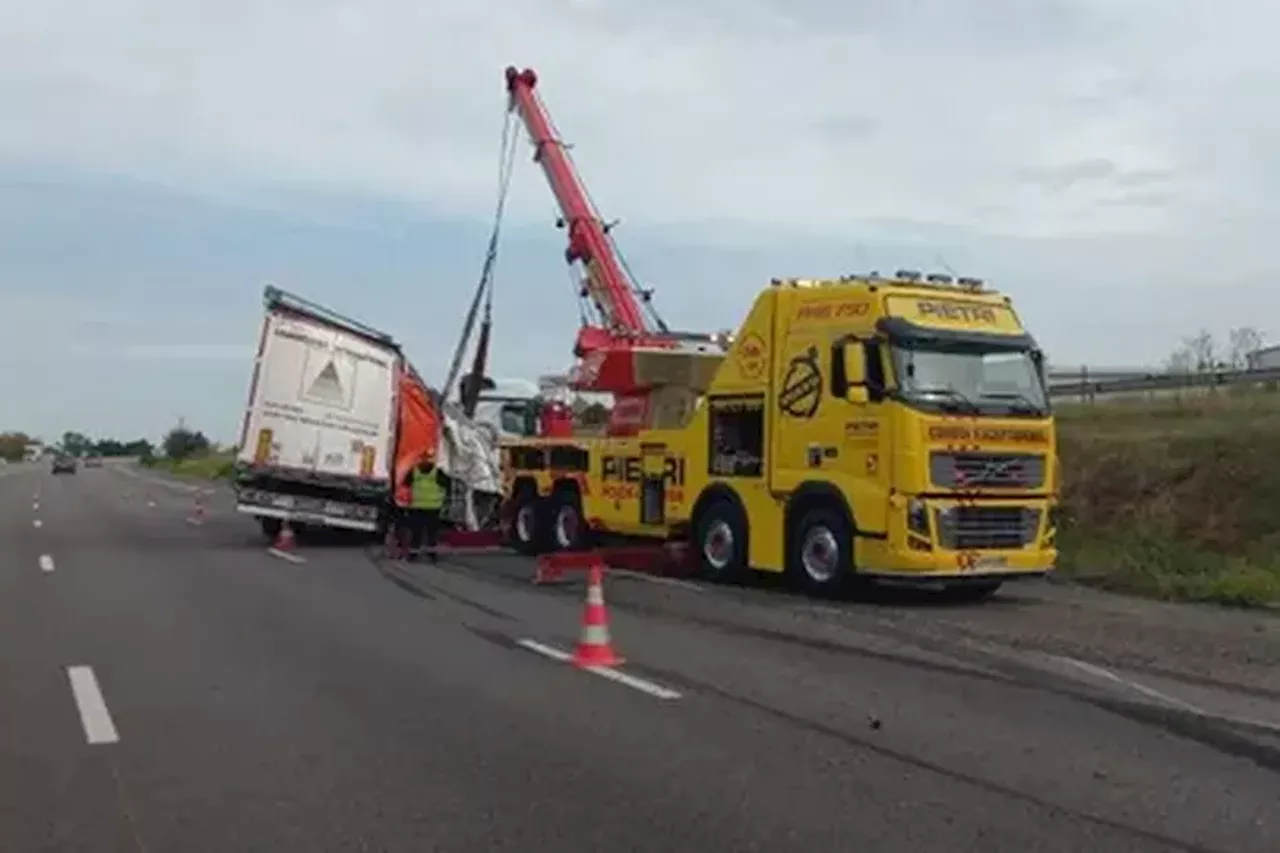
(539, 525)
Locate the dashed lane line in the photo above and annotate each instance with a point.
(94, 716)
(296, 559)
(657, 691)
(46, 563)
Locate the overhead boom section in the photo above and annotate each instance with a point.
(631, 351)
(612, 289)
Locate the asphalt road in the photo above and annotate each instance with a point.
(167, 686)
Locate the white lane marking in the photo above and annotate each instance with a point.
(285, 555)
(151, 504)
(1149, 692)
(192, 520)
(641, 576)
(35, 507)
(94, 715)
(46, 563)
(37, 523)
(657, 691)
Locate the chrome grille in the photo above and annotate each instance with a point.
(987, 527)
(975, 470)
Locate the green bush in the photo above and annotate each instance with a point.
(1175, 500)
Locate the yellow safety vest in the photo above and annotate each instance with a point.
(428, 491)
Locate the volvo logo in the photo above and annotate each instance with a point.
(990, 471)
(1000, 469)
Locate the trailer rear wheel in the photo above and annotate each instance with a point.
(270, 527)
(721, 533)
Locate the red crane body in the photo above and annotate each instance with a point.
(606, 351)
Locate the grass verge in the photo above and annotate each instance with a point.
(212, 467)
(1176, 499)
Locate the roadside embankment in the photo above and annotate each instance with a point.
(1177, 498)
(215, 466)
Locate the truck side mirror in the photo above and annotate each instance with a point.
(854, 356)
(849, 371)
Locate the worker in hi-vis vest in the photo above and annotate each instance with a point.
(427, 494)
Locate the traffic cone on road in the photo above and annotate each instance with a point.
(197, 516)
(285, 542)
(595, 648)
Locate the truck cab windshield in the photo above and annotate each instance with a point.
(970, 380)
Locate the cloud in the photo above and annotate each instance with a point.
(1111, 164)
(168, 352)
(808, 116)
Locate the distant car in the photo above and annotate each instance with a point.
(93, 462)
(64, 465)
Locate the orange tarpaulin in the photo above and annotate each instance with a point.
(419, 429)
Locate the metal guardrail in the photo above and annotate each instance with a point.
(1085, 385)
(1088, 374)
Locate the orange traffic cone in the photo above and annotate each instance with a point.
(285, 541)
(197, 517)
(595, 647)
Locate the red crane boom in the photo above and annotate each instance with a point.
(611, 287)
(607, 353)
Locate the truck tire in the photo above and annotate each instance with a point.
(528, 514)
(720, 535)
(820, 551)
(567, 530)
(270, 527)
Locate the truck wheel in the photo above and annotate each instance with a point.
(721, 540)
(526, 524)
(568, 529)
(821, 551)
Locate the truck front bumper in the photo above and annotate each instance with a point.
(950, 541)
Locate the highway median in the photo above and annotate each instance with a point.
(1174, 498)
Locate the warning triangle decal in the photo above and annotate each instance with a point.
(327, 386)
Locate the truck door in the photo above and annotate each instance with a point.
(803, 441)
(653, 484)
(859, 385)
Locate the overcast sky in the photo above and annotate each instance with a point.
(1112, 165)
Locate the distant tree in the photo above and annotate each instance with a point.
(13, 445)
(1196, 354)
(1241, 344)
(183, 443)
(1201, 353)
(139, 447)
(76, 443)
(1180, 361)
(114, 447)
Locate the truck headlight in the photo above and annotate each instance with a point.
(918, 517)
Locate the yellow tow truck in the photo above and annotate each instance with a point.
(877, 428)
